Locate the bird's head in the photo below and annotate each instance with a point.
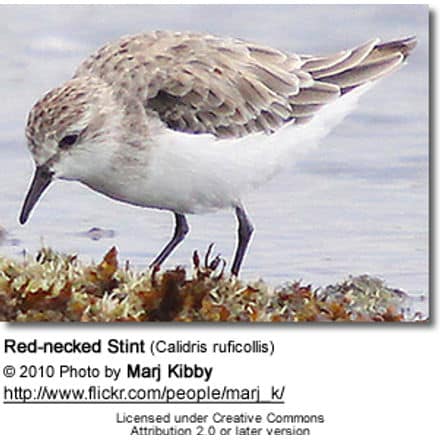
(73, 133)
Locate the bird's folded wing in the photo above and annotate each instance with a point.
(199, 83)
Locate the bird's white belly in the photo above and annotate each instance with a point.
(191, 175)
(188, 173)
(198, 173)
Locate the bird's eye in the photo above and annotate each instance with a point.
(68, 141)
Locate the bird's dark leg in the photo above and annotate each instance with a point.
(245, 230)
(180, 230)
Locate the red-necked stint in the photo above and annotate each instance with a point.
(190, 122)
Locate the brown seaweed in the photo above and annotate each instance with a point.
(55, 287)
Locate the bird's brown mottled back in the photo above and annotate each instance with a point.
(199, 83)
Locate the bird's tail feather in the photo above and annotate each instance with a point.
(370, 61)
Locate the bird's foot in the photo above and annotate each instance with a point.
(154, 270)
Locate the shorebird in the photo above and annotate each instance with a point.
(190, 122)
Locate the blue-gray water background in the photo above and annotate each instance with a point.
(358, 204)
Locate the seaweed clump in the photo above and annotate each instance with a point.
(55, 287)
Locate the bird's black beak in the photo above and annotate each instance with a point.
(42, 178)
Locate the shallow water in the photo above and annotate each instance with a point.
(357, 204)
